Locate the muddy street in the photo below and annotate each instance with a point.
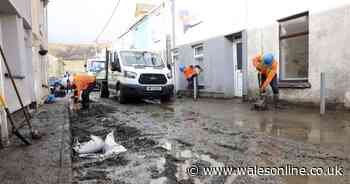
(164, 141)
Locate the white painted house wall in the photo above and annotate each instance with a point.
(328, 38)
(21, 40)
(14, 48)
(3, 119)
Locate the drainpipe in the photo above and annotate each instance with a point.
(173, 32)
(245, 54)
(245, 64)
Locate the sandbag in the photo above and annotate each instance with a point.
(92, 146)
(111, 147)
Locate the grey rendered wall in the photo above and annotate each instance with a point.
(328, 52)
(14, 48)
(3, 119)
(260, 41)
(218, 66)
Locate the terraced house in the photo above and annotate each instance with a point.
(23, 37)
(306, 37)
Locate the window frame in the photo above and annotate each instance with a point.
(286, 37)
(195, 55)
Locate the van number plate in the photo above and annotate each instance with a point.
(154, 88)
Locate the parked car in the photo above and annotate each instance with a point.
(52, 81)
(137, 74)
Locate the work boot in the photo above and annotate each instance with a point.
(276, 101)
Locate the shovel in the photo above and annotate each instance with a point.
(261, 104)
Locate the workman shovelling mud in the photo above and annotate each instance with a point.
(84, 84)
(266, 66)
(190, 72)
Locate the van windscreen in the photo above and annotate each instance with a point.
(133, 58)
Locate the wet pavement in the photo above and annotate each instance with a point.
(47, 160)
(163, 141)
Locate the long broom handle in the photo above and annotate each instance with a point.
(14, 129)
(3, 104)
(16, 90)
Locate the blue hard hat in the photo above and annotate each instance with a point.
(268, 59)
(182, 67)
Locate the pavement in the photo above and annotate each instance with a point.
(46, 161)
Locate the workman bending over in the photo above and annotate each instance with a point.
(83, 83)
(190, 72)
(266, 66)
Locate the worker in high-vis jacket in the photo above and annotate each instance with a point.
(190, 72)
(84, 84)
(266, 66)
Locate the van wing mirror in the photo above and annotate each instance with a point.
(169, 66)
(115, 67)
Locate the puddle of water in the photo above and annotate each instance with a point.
(212, 162)
(162, 180)
(302, 180)
(302, 128)
(188, 158)
(167, 108)
(181, 173)
(153, 101)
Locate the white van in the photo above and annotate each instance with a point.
(138, 74)
(95, 66)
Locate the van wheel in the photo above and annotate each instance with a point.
(104, 92)
(121, 96)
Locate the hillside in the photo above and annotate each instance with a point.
(75, 51)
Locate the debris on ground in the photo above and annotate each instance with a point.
(36, 134)
(50, 99)
(164, 144)
(152, 101)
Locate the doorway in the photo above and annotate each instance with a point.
(237, 67)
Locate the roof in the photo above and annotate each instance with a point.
(140, 19)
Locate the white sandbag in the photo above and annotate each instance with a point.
(96, 144)
(164, 144)
(111, 147)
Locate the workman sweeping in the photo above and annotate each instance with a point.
(190, 72)
(84, 84)
(266, 66)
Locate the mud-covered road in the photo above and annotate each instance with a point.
(210, 133)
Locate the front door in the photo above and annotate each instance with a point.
(237, 68)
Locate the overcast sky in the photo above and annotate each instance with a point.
(80, 21)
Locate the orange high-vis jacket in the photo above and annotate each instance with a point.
(189, 72)
(83, 81)
(268, 71)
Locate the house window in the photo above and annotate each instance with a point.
(198, 51)
(294, 48)
(198, 56)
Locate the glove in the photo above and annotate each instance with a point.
(262, 91)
